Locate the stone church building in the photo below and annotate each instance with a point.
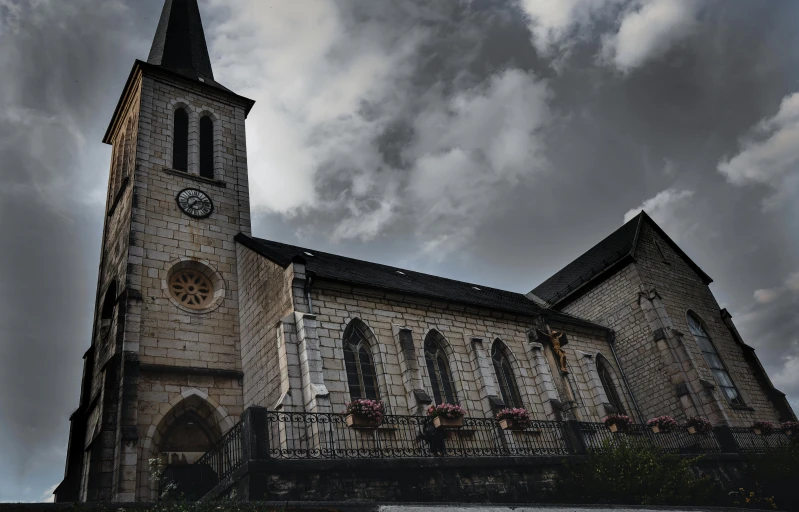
(198, 320)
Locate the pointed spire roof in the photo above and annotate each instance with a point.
(179, 43)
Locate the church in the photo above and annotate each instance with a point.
(200, 325)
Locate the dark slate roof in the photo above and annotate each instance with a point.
(591, 266)
(179, 44)
(373, 275)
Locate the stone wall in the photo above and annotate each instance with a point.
(682, 290)
(645, 303)
(469, 333)
(161, 332)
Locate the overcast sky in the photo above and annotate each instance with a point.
(486, 140)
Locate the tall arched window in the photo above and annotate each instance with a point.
(361, 373)
(438, 368)
(107, 313)
(180, 147)
(507, 383)
(714, 360)
(606, 376)
(207, 147)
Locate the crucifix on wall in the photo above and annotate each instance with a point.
(557, 340)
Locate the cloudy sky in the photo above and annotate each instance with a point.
(486, 140)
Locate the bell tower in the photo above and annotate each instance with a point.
(162, 378)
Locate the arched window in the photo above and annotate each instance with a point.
(107, 313)
(361, 373)
(180, 148)
(207, 147)
(606, 376)
(714, 360)
(507, 383)
(438, 368)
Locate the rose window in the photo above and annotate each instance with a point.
(191, 288)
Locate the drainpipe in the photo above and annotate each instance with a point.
(308, 286)
(612, 340)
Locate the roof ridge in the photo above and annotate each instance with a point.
(392, 267)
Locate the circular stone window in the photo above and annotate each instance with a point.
(191, 289)
(194, 287)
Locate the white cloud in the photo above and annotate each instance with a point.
(326, 97)
(766, 296)
(770, 154)
(470, 151)
(649, 29)
(638, 30)
(792, 283)
(310, 93)
(664, 207)
(48, 496)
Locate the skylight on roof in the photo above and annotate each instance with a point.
(476, 288)
(400, 272)
(309, 254)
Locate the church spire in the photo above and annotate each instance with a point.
(179, 43)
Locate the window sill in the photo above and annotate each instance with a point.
(742, 407)
(195, 177)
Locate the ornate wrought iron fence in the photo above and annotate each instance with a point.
(749, 442)
(327, 436)
(597, 438)
(227, 455)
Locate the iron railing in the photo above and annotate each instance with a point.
(227, 456)
(597, 438)
(313, 436)
(327, 436)
(749, 442)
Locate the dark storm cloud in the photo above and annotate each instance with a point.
(434, 135)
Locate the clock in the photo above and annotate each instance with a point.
(195, 203)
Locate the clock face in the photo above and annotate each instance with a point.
(195, 203)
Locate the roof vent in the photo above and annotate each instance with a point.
(400, 272)
(476, 288)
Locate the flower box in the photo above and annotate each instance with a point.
(361, 421)
(509, 424)
(789, 433)
(790, 428)
(763, 428)
(365, 413)
(441, 422)
(698, 425)
(664, 424)
(514, 419)
(617, 422)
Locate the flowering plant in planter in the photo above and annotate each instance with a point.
(616, 422)
(365, 413)
(448, 411)
(446, 415)
(763, 428)
(514, 419)
(791, 428)
(698, 425)
(662, 424)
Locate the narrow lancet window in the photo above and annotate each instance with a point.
(180, 149)
(438, 368)
(207, 147)
(361, 373)
(505, 378)
(713, 359)
(606, 377)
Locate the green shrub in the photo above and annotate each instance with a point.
(630, 471)
(776, 474)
